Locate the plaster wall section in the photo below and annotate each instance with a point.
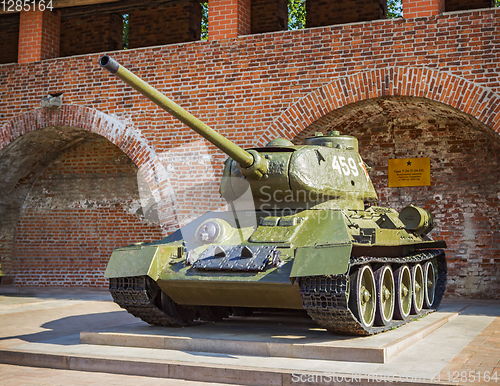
(84, 204)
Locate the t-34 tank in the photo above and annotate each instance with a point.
(309, 238)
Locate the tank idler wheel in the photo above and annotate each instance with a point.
(417, 281)
(181, 314)
(363, 296)
(384, 282)
(184, 313)
(430, 284)
(404, 291)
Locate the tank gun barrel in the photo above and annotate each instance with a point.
(246, 159)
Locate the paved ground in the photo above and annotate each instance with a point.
(27, 376)
(479, 361)
(465, 350)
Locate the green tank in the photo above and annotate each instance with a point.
(302, 232)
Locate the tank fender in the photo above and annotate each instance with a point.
(140, 260)
(321, 260)
(331, 252)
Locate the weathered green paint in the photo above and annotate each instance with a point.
(140, 260)
(234, 293)
(306, 200)
(305, 177)
(321, 260)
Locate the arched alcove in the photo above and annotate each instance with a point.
(465, 173)
(69, 197)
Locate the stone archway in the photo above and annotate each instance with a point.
(466, 215)
(70, 195)
(465, 173)
(471, 98)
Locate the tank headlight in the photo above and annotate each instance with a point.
(208, 232)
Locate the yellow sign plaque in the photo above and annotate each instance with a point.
(409, 172)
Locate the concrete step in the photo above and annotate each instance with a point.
(223, 338)
(61, 332)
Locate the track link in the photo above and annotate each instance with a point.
(325, 298)
(135, 295)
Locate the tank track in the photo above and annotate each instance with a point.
(325, 297)
(131, 293)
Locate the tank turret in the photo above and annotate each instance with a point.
(324, 172)
(312, 239)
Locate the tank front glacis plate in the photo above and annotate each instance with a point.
(292, 235)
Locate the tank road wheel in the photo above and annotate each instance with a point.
(362, 296)
(403, 292)
(384, 281)
(430, 284)
(417, 281)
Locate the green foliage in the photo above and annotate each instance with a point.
(497, 3)
(204, 21)
(297, 14)
(125, 31)
(395, 8)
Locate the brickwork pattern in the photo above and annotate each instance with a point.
(80, 209)
(395, 127)
(223, 16)
(254, 88)
(412, 9)
(50, 43)
(30, 31)
(86, 34)
(479, 362)
(38, 36)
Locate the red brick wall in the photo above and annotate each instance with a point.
(82, 207)
(229, 19)
(427, 8)
(86, 34)
(320, 12)
(50, 35)
(9, 36)
(253, 88)
(465, 170)
(168, 23)
(38, 36)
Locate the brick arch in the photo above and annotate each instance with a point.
(118, 132)
(107, 126)
(468, 97)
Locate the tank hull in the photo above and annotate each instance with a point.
(274, 260)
